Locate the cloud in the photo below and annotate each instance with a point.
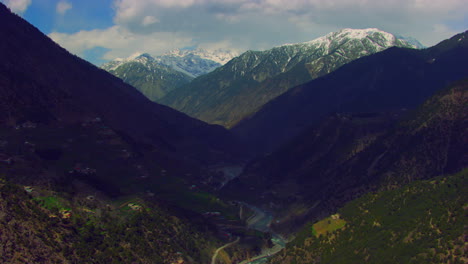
(262, 24)
(405, 16)
(148, 20)
(62, 7)
(18, 6)
(120, 42)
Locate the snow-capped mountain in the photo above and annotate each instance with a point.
(250, 80)
(220, 56)
(379, 37)
(193, 62)
(146, 74)
(156, 76)
(196, 62)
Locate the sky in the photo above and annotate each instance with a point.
(102, 30)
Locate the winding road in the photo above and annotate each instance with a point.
(215, 255)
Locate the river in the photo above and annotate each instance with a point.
(261, 221)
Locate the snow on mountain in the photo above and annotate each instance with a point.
(220, 56)
(245, 83)
(378, 38)
(196, 62)
(146, 74)
(193, 62)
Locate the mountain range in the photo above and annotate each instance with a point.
(153, 79)
(237, 89)
(156, 76)
(91, 171)
(390, 80)
(365, 164)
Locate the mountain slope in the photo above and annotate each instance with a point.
(95, 172)
(390, 80)
(41, 226)
(245, 83)
(150, 77)
(159, 75)
(419, 223)
(43, 83)
(350, 154)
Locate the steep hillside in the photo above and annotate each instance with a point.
(387, 81)
(423, 222)
(41, 226)
(247, 82)
(42, 83)
(93, 172)
(351, 154)
(149, 76)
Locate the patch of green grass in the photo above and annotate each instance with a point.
(51, 203)
(327, 225)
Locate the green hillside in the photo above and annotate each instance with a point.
(423, 222)
(41, 226)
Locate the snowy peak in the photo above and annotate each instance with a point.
(245, 83)
(220, 56)
(377, 36)
(196, 62)
(143, 58)
(321, 54)
(193, 62)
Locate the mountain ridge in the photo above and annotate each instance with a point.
(75, 90)
(192, 62)
(149, 76)
(389, 80)
(239, 88)
(156, 76)
(348, 155)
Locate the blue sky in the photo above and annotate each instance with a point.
(102, 30)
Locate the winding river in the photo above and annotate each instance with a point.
(261, 221)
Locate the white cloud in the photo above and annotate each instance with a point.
(18, 6)
(395, 15)
(149, 20)
(156, 26)
(62, 7)
(120, 41)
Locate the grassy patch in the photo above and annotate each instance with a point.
(328, 225)
(51, 203)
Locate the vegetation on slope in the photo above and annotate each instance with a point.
(347, 156)
(423, 222)
(39, 226)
